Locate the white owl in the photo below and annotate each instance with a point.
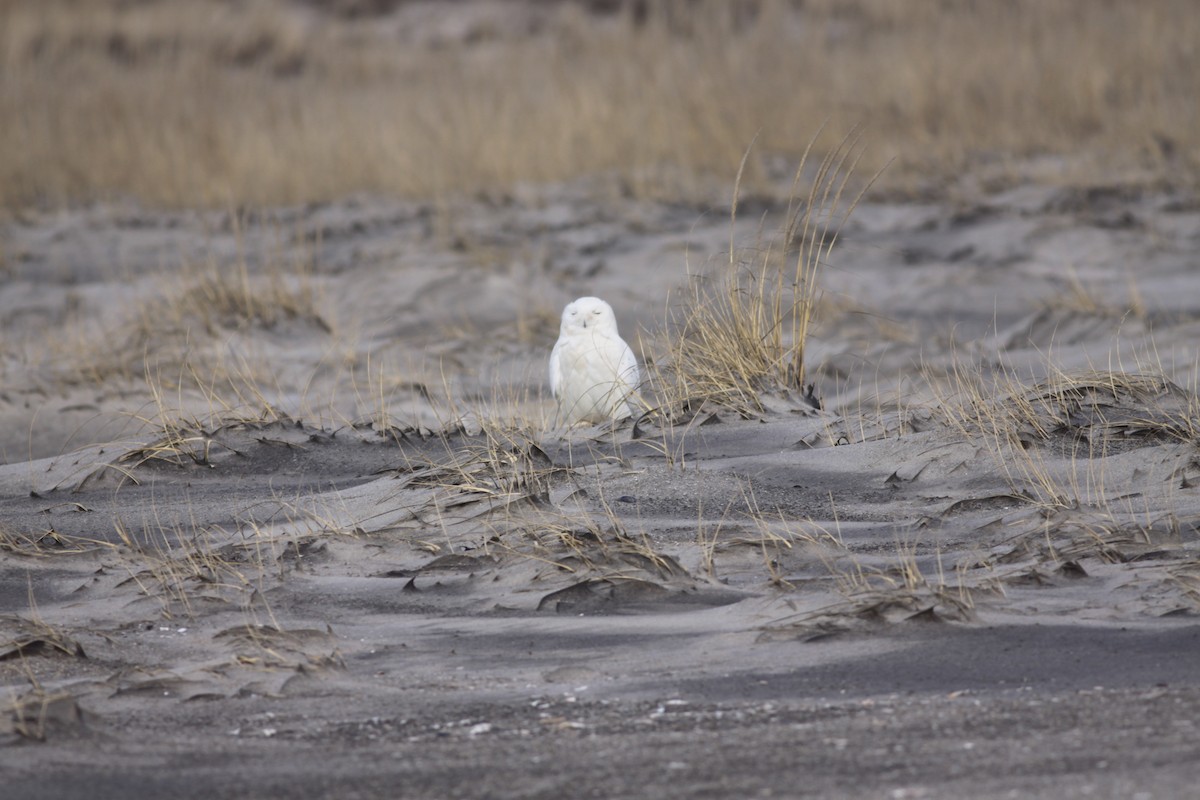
(593, 373)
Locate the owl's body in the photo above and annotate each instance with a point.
(593, 372)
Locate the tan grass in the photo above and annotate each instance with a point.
(35, 713)
(895, 590)
(742, 335)
(179, 575)
(273, 102)
(177, 326)
(1069, 418)
(48, 543)
(1078, 296)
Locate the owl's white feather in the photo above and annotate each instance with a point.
(593, 372)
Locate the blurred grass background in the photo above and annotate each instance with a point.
(195, 103)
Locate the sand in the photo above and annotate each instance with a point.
(335, 548)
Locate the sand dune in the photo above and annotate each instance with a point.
(269, 498)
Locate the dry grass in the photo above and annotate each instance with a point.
(1078, 296)
(273, 102)
(1050, 438)
(181, 570)
(181, 328)
(740, 337)
(48, 543)
(891, 589)
(32, 715)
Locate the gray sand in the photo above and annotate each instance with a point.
(339, 585)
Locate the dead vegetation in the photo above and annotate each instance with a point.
(739, 337)
(36, 714)
(1077, 418)
(281, 102)
(180, 327)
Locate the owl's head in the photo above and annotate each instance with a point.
(589, 314)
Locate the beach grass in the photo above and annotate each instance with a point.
(212, 104)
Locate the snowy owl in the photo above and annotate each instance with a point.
(593, 373)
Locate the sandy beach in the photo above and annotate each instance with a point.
(284, 513)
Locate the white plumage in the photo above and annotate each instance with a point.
(593, 373)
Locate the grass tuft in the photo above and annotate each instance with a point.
(741, 335)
